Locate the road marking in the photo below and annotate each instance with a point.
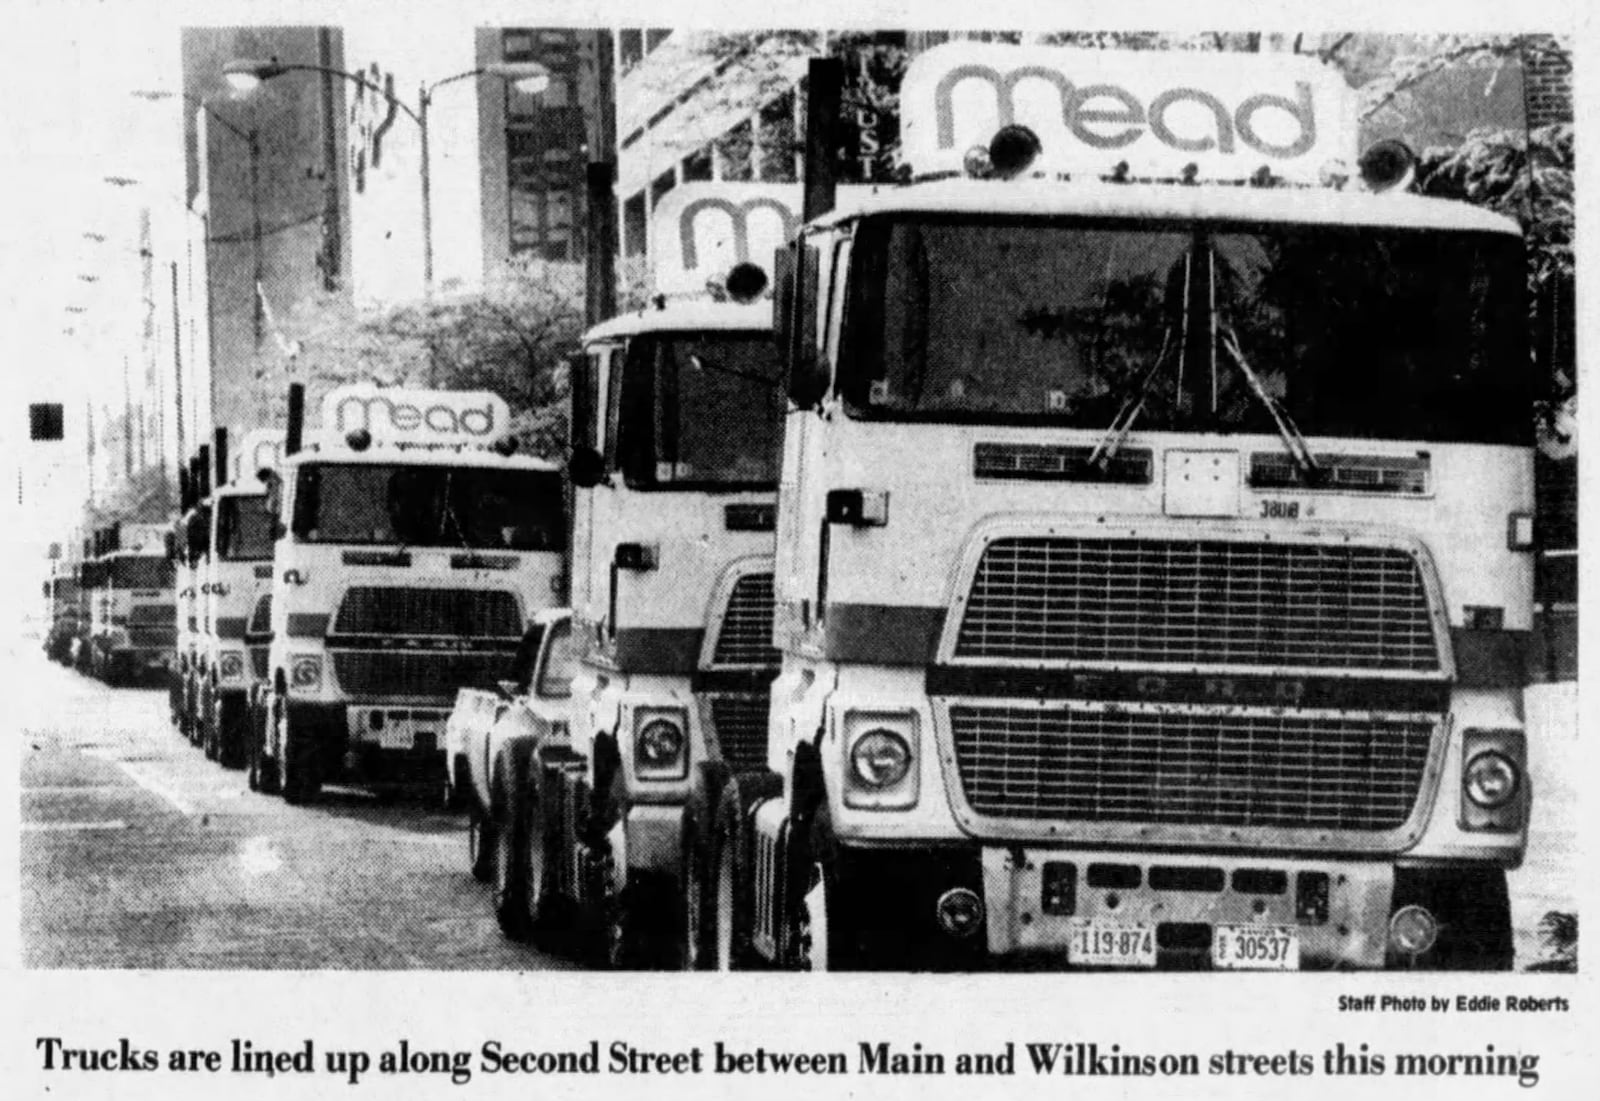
(72, 827)
(75, 789)
(146, 779)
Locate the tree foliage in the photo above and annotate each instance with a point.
(512, 338)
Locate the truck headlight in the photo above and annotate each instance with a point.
(305, 672)
(660, 745)
(1490, 779)
(231, 666)
(880, 760)
(1493, 781)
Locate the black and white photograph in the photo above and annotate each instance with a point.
(535, 495)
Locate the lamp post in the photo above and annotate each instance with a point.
(252, 139)
(526, 76)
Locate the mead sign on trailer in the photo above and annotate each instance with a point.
(1229, 114)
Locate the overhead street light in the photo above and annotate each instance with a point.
(529, 77)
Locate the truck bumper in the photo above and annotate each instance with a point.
(653, 836)
(1336, 913)
(406, 747)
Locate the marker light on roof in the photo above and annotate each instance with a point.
(1012, 150)
(976, 163)
(359, 439)
(746, 282)
(1388, 165)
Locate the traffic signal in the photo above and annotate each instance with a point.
(46, 421)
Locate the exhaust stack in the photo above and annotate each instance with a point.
(600, 292)
(824, 96)
(219, 450)
(297, 419)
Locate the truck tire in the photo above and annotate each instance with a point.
(549, 912)
(480, 843)
(233, 730)
(820, 939)
(728, 880)
(264, 768)
(302, 781)
(694, 949)
(210, 733)
(510, 862)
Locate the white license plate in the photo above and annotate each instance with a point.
(1111, 944)
(1255, 947)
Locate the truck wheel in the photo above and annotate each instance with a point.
(693, 952)
(728, 884)
(510, 866)
(266, 766)
(480, 843)
(209, 733)
(819, 938)
(548, 911)
(301, 781)
(636, 930)
(233, 731)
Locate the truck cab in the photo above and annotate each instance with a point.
(236, 577)
(1153, 542)
(413, 547)
(131, 629)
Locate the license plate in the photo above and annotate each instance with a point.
(1256, 947)
(1110, 944)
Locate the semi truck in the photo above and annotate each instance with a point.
(130, 604)
(676, 410)
(184, 549)
(412, 547)
(234, 574)
(1153, 544)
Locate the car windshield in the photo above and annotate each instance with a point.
(429, 506)
(244, 530)
(145, 572)
(701, 409)
(1356, 332)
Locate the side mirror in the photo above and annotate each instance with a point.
(172, 546)
(797, 330)
(586, 468)
(279, 529)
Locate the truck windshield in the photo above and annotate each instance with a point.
(1356, 332)
(429, 506)
(244, 530)
(701, 409)
(145, 572)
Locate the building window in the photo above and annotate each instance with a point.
(733, 150)
(697, 165)
(630, 48)
(517, 45)
(660, 186)
(654, 38)
(777, 140)
(634, 226)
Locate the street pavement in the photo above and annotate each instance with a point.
(137, 852)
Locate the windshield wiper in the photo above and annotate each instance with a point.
(1299, 451)
(1106, 450)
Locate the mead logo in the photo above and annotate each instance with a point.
(738, 216)
(391, 415)
(1109, 116)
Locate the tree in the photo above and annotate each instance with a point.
(512, 338)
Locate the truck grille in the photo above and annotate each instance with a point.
(1203, 602)
(369, 610)
(145, 637)
(152, 615)
(372, 673)
(258, 661)
(740, 721)
(1304, 770)
(746, 635)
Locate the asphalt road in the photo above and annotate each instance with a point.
(137, 852)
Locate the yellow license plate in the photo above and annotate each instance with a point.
(1111, 944)
(1255, 947)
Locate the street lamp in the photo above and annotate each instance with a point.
(252, 139)
(245, 75)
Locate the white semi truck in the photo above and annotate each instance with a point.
(130, 604)
(413, 546)
(232, 580)
(1154, 540)
(676, 410)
